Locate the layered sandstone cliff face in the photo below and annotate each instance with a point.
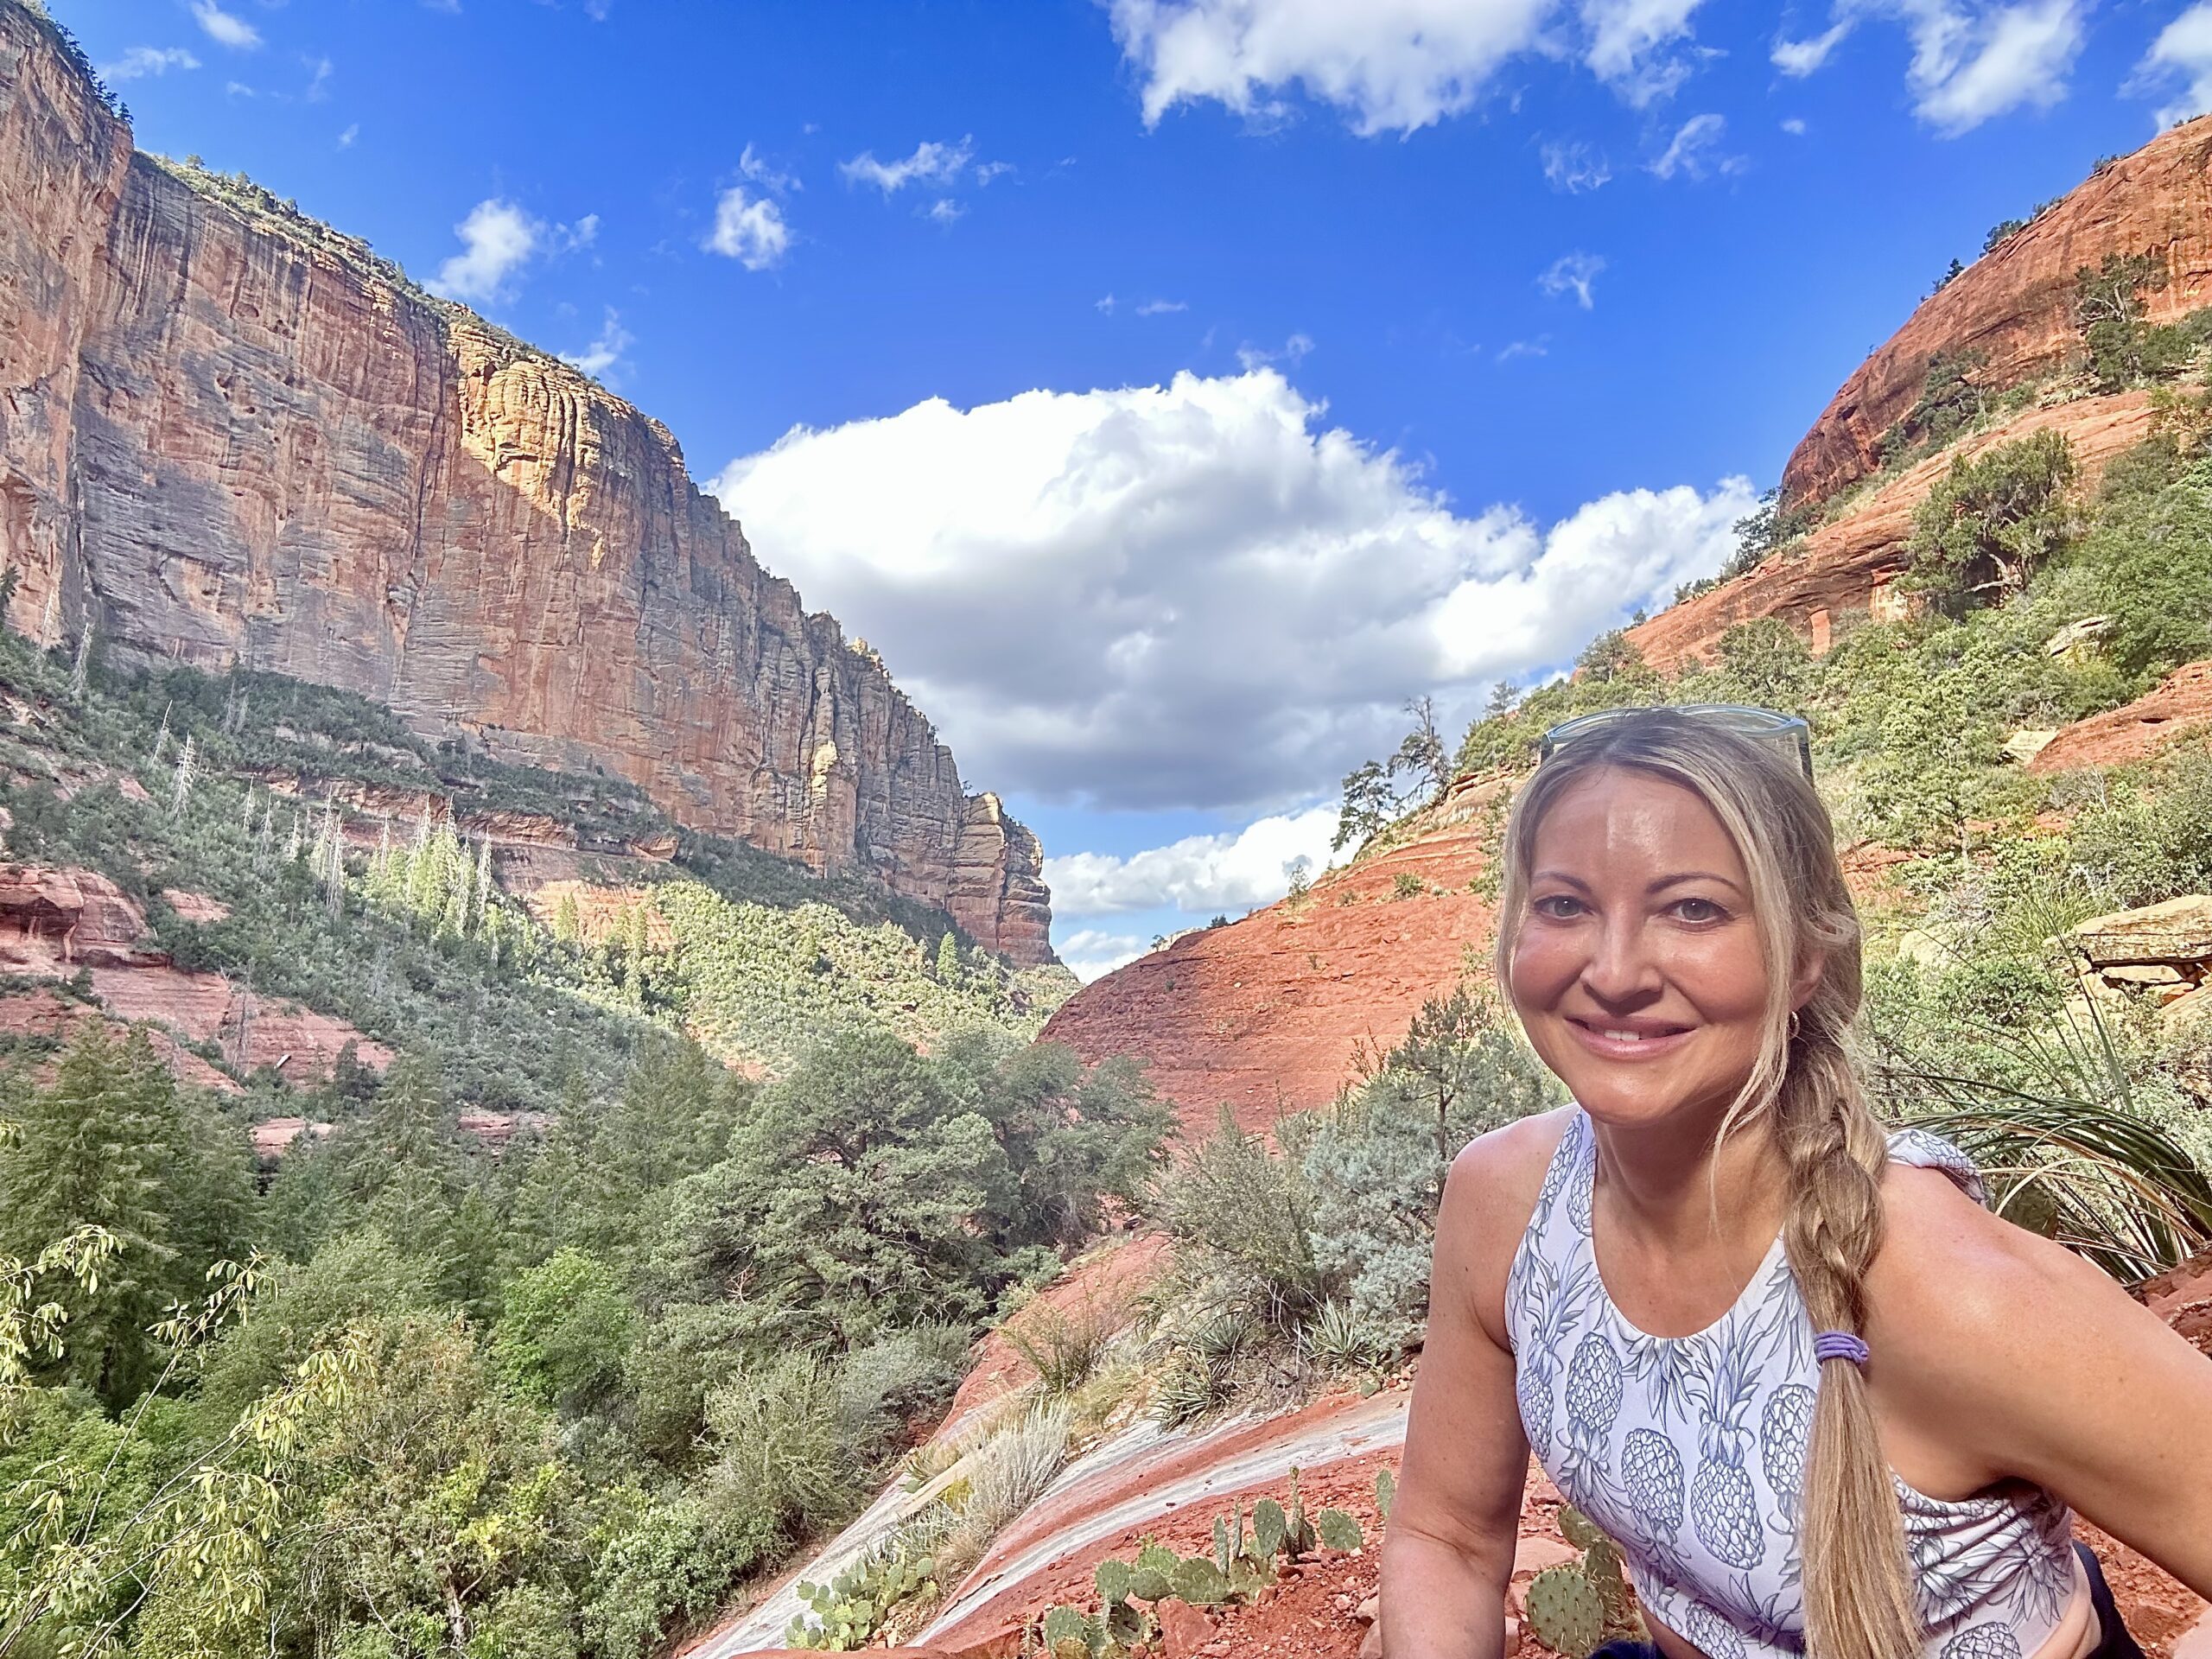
(2015, 304)
(227, 437)
(2015, 308)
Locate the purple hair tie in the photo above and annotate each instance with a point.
(1841, 1345)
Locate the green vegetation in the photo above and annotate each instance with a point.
(1577, 1606)
(556, 1402)
(1313, 1253)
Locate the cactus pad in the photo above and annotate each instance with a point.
(1565, 1611)
(1338, 1530)
(1199, 1582)
(1269, 1528)
(1114, 1580)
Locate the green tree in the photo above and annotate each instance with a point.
(852, 1198)
(1991, 522)
(564, 1333)
(107, 1146)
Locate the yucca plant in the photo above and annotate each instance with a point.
(2053, 1114)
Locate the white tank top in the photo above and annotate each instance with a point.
(1690, 1451)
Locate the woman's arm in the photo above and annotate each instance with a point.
(1447, 1551)
(2035, 1365)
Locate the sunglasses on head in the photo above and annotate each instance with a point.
(1788, 733)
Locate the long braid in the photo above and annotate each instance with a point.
(1858, 1602)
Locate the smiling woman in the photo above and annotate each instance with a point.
(1822, 1400)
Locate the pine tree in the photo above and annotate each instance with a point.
(97, 1148)
(948, 961)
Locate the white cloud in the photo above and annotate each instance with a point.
(224, 29)
(1162, 307)
(1092, 953)
(1628, 45)
(1575, 274)
(749, 229)
(930, 163)
(1540, 347)
(1294, 350)
(496, 238)
(1972, 60)
(605, 354)
(1197, 594)
(1392, 66)
(1574, 168)
(345, 139)
(1795, 127)
(1802, 57)
(319, 72)
(944, 211)
(2021, 56)
(1105, 303)
(1201, 876)
(2183, 51)
(1692, 154)
(757, 167)
(141, 60)
(986, 171)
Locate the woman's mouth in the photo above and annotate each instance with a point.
(1629, 1039)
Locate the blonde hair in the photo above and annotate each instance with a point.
(1858, 1596)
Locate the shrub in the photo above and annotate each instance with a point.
(1993, 521)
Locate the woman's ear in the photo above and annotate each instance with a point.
(1805, 982)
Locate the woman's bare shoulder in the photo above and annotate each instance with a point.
(1488, 1200)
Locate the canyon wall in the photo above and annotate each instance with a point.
(229, 437)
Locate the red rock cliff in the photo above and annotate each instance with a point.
(2015, 307)
(228, 436)
(2015, 304)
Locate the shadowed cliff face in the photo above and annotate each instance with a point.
(225, 442)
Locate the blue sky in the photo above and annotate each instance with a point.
(1172, 388)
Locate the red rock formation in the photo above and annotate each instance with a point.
(1266, 1015)
(2180, 704)
(1846, 566)
(228, 436)
(2016, 304)
(54, 922)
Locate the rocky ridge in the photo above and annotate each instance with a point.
(229, 437)
(2013, 313)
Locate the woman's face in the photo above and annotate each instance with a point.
(1638, 972)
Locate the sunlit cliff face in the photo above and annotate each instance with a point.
(1638, 972)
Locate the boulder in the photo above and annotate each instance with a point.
(2177, 933)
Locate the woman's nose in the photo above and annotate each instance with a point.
(1620, 966)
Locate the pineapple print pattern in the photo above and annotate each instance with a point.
(1691, 1450)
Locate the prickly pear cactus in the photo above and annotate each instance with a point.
(1269, 1529)
(1114, 1580)
(1067, 1627)
(1337, 1529)
(1223, 1555)
(1386, 1491)
(1156, 1571)
(1578, 1529)
(1199, 1582)
(1565, 1612)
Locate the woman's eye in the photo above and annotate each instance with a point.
(1557, 906)
(1699, 910)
